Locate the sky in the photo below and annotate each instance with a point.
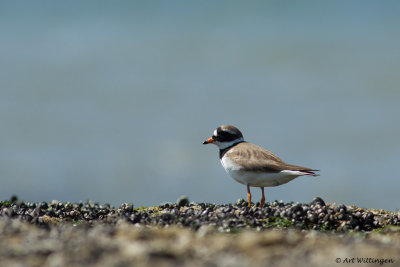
(112, 101)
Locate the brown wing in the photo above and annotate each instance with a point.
(258, 159)
(255, 158)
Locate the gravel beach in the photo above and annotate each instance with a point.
(196, 234)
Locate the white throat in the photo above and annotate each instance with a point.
(223, 145)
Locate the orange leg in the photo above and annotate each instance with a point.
(249, 195)
(262, 198)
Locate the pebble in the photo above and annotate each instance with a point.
(315, 215)
(183, 201)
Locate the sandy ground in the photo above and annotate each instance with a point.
(126, 244)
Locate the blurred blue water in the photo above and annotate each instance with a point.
(111, 101)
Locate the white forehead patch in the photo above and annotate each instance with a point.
(215, 132)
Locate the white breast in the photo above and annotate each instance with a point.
(257, 179)
(231, 168)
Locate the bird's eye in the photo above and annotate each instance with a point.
(224, 134)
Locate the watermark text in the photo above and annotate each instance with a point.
(379, 261)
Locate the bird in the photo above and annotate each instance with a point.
(253, 165)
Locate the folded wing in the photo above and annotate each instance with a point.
(258, 159)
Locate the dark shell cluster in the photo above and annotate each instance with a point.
(232, 217)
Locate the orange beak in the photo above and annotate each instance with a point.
(208, 141)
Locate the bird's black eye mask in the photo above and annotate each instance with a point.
(224, 136)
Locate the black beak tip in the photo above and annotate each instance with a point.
(205, 143)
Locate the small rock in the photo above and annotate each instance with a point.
(318, 201)
(183, 201)
(240, 202)
(14, 198)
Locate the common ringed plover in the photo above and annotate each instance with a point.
(252, 165)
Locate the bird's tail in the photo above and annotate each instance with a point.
(302, 170)
(310, 172)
